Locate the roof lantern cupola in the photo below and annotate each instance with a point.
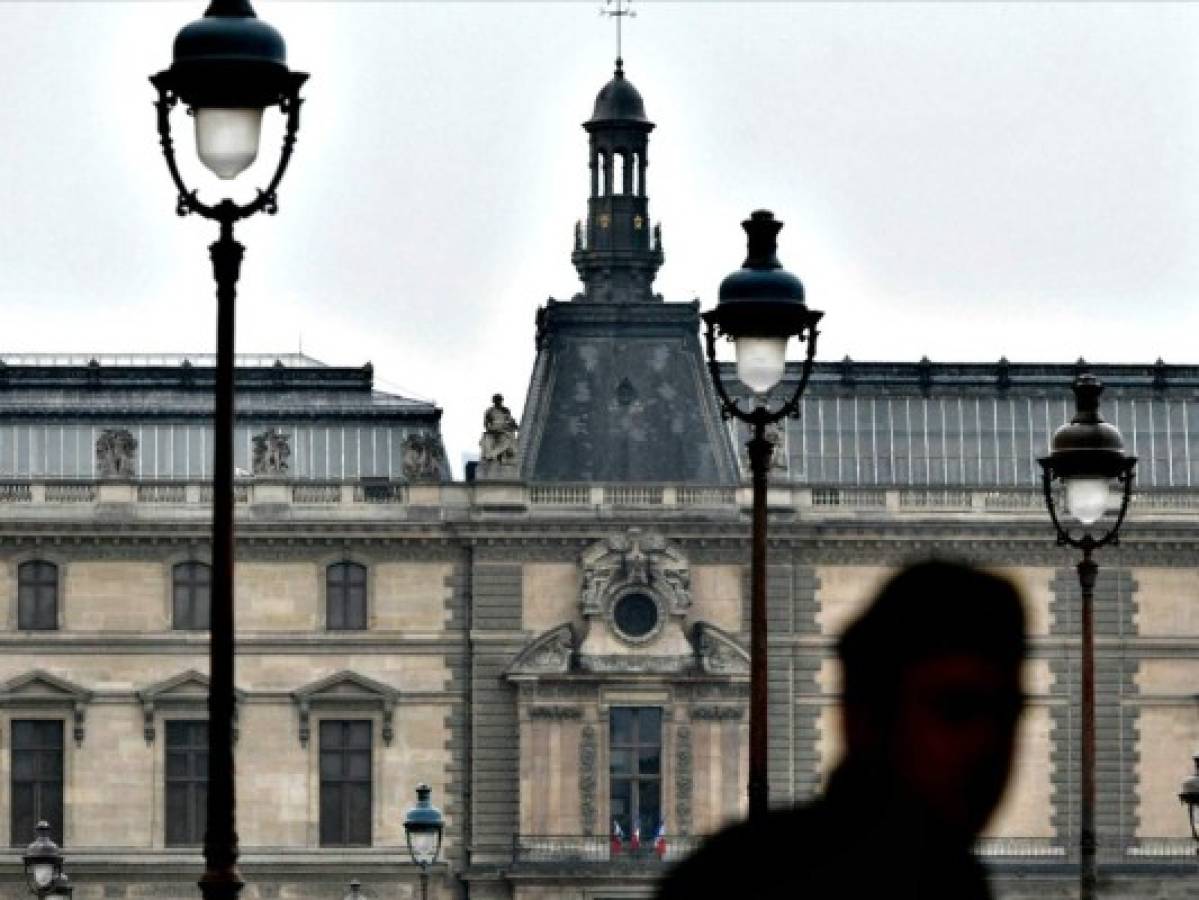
(617, 254)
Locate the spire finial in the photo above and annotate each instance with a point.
(618, 10)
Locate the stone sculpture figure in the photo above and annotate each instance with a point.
(422, 457)
(498, 444)
(271, 452)
(116, 449)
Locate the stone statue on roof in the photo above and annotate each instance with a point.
(497, 447)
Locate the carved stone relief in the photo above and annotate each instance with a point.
(116, 453)
(587, 778)
(682, 780)
(272, 450)
(422, 457)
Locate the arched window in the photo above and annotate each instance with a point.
(619, 166)
(635, 173)
(37, 596)
(345, 597)
(191, 590)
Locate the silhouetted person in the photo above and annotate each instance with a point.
(931, 700)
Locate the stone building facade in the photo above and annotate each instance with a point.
(557, 646)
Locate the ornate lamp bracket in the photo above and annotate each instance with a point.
(759, 415)
(227, 212)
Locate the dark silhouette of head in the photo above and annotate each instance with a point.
(932, 694)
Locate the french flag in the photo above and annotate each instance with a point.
(635, 840)
(660, 840)
(617, 837)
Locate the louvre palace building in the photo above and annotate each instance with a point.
(558, 644)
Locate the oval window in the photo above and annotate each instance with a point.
(635, 615)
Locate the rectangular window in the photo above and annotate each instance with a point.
(186, 783)
(345, 768)
(37, 596)
(635, 770)
(345, 597)
(191, 590)
(37, 765)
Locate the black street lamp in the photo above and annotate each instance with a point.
(228, 68)
(1189, 795)
(424, 826)
(761, 306)
(43, 863)
(1087, 456)
(355, 891)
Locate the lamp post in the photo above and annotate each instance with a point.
(227, 68)
(760, 307)
(43, 864)
(1086, 456)
(423, 827)
(1189, 795)
(355, 891)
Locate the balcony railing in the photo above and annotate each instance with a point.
(599, 850)
(572, 499)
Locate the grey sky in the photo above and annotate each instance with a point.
(958, 180)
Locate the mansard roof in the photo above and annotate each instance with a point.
(978, 424)
(158, 385)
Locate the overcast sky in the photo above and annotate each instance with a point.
(959, 180)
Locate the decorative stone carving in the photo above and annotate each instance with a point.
(664, 665)
(348, 690)
(422, 457)
(39, 690)
(682, 780)
(116, 452)
(717, 713)
(719, 653)
(634, 559)
(272, 450)
(549, 654)
(497, 447)
(555, 712)
(587, 779)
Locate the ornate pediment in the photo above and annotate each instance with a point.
(552, 653)
(349, 689)
(718, 651)
(39, 689)
(187, 691)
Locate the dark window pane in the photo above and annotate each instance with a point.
(649, 761)
(345, 596)
(37, 596)
(649, 725)
(622, 724)
(190, 593)
(331, 818)
(186, 782)
(345, 773)
(360, 766)
(36, 778)
(622, 762)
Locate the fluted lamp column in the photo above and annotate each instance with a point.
(228, 68)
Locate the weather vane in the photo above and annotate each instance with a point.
(618, 10)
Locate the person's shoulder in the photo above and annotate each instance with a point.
(738, 855)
